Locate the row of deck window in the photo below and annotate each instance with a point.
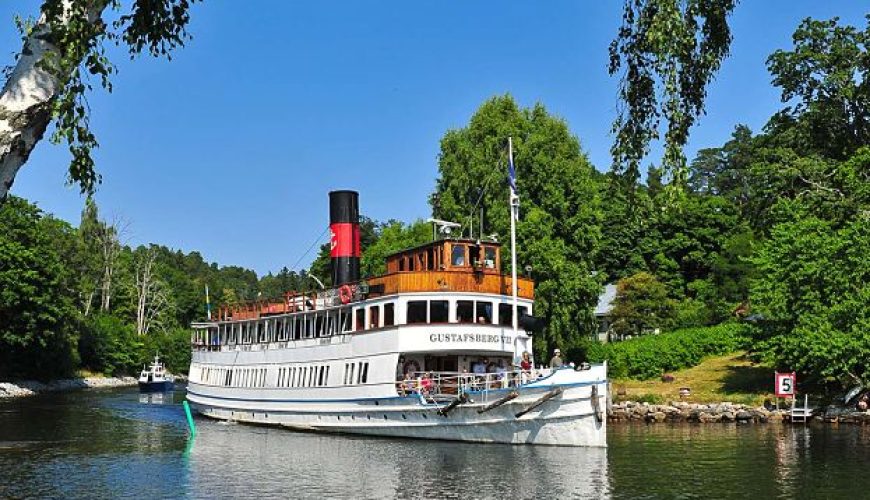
(303, 376)
(287, 376)
(235, 377)
(346, 320)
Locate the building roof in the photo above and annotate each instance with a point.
(605, 300)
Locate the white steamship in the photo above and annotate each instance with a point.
(432, 349)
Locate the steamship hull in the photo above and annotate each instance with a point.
(571, 421)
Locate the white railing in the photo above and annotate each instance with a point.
(455, 383)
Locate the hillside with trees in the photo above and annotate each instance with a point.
(772, 226)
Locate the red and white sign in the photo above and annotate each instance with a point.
(784, 384)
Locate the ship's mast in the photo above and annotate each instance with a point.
(514, 201)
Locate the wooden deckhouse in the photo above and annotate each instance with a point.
(447, 265)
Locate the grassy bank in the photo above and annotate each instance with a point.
(731, 377)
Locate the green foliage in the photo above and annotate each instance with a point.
(813, 292)
(652, 355)
(173, 346)
(76, 28)
(641, 305)
(558, 232)
(667, 53)
(109, 345)
(37, 319)
(825, 81)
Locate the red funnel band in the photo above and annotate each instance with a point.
(344, 239)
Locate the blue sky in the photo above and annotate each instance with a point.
(230, 148)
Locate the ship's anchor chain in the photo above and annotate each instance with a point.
(543, 399)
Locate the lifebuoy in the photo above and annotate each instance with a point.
(345, 294)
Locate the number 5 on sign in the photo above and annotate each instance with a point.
(784, 385)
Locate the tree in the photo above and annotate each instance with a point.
(152, 297)
(558, 232)
(37, 318)
(666, 52)
(61, 49)
(825, 77)
(642, 304)
(813, 291)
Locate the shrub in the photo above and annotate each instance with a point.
(173, 346)
(109, 345)
(651, 355)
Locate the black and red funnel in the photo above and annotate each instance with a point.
(344, 236)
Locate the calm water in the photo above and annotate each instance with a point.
(109, 444)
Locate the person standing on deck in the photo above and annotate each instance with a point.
(556, 360)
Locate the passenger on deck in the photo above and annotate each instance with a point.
(408, 384)
(556, 360)
(400, 367)
(425, 384)
(525, 368)
(479, 370)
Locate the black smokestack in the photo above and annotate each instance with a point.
(344, 240)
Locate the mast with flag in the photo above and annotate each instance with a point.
(514, 201)
(207, 303)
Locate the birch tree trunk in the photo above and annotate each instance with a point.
(152, 301)
(26, 98)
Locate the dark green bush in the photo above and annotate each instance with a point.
(651, 355)
(109, 345)
(173, 346)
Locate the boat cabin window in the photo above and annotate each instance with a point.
(457, 255)
(438, 311)
(297, 327)
(346, 320)
(389, 314)
(360, 319)
(489, 257)
(430, 259)
(416, 312)
(465, 311)
(374, 317)
(473, 312)
(474, 255)
(484, 312)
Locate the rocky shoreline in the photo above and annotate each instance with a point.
(680, 411)
(31, 387)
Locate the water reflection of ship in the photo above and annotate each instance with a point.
(157, 398)
(271, 463)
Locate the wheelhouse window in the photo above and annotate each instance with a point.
(416, 312)
(489, 257)
(474, 255)
(506, 314)
(457, 255)
(438, 311)
(465, 311)
(389, 314)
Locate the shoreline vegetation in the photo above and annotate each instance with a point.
(761, 244)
